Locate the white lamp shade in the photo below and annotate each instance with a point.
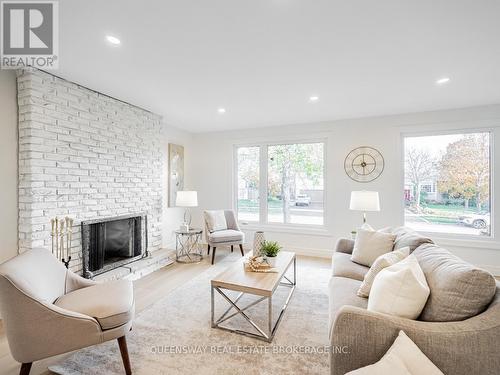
(186, 198)
(365, 201)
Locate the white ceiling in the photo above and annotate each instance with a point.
(262, 59)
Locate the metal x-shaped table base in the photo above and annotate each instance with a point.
(265, 335)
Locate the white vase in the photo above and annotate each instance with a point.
(271, 261)
(258, 241)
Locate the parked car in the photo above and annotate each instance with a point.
(302, 200)
(478, 221)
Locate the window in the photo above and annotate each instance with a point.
(294, 191)
(447, 186)
(248, 183)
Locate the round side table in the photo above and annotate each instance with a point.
(187, 246)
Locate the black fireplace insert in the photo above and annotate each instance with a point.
(113, 242)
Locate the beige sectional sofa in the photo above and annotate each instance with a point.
(459, 329)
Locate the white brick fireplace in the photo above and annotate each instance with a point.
(84, 155)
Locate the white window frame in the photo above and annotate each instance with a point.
(263, 222)
(455, 236)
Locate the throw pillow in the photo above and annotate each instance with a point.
(369, 245)
(459, 290)
(403, 357)
(383, 261)
(408, 237)
(216, 220)
(389, 364)
(400, 290)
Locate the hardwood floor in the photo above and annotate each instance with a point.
(147, 290)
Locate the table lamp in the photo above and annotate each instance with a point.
(186, 199)
(364, 201)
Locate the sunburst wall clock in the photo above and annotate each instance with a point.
(364, 164)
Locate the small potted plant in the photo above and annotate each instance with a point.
(271, 249)
(353, 234)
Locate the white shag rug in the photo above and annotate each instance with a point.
(173, 336)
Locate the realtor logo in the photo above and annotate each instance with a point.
(29, 34)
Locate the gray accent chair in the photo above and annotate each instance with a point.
(49, 310)
(230, 236)
(360, 337)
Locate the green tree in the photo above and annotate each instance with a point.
(465, 169)
(287, 163)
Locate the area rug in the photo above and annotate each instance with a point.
(173, 336)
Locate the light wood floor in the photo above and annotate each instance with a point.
(148, 290)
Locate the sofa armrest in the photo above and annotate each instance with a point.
(344, 245)
(360, 337)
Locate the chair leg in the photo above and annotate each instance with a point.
(208, 249)
(241, 249)
(213, 254)
(25, 368)
(122, 342)
(232, 248)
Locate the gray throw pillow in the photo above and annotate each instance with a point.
(459, 290)
(408, 237)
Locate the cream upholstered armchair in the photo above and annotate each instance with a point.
(222, 229)
(49, 310)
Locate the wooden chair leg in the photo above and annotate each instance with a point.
(25, 368)
(208, 249)
(241, 249)
(232, 248)
(122, 342)
(213, 254)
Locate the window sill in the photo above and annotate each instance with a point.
(463, 240)
(287, 228)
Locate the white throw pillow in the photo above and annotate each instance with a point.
(388, 365)
(216, 220)
(400, 290)
(383, 261)
(402, 358)
(369, 245)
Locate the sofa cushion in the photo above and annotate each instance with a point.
(369, 245)
(343, 266)
(342, 291)
(408, 237)
(228, 235)
(111, 303)
(400, 290)
(459, 290)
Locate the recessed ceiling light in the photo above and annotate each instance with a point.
(442, 81)
(221, 110)
(313, 98)
(113, 40)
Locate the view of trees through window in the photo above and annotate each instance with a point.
(248, 183)
(295, 183)
(447, 183)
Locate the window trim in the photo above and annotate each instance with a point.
(263, 187)
(454, 237)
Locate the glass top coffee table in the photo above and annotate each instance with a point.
(262, 285)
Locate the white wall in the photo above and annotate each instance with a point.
(8, 165)
(212, 170)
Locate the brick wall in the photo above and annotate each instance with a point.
(85, 155)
